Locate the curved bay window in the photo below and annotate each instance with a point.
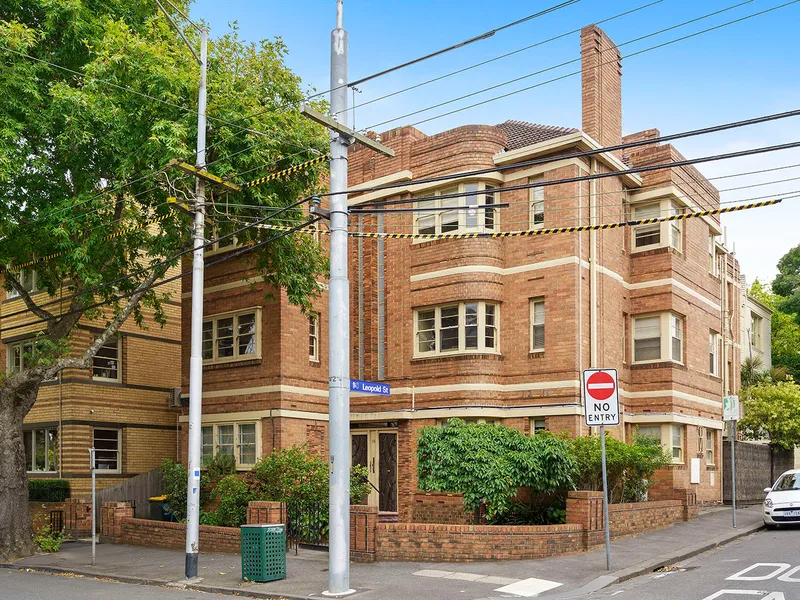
(463, 327)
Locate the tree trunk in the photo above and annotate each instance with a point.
(16, 533)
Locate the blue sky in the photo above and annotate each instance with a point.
(736, 72)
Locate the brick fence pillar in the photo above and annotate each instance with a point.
(689, 500)
(78, 516)
(111, 516)
(266, 512)
(585, 508)
(363, 529)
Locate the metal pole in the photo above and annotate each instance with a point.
(94, 504)
(733, 473)
(339, 328)
(196, 361)
(605, 496)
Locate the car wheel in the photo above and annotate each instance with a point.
(770, 526)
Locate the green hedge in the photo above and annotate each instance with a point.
(48, 490)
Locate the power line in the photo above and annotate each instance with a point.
(496, 58)
(118, 297)
(471, 40)
(580, 154)
(590, 177)
(575, 60)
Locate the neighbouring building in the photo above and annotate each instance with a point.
(756, 328)
(120, 405)
(496, 330)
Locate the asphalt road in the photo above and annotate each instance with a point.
(21, 585)
(763, 566)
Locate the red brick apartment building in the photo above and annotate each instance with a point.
(497, 329)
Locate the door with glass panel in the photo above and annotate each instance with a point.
(376, 449)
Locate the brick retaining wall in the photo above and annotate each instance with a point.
(440, 507)
(172, 536)
(463, 543)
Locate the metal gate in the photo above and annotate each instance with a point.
(307, 525)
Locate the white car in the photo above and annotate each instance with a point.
(782, 504)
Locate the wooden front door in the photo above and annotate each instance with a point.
(377, 450)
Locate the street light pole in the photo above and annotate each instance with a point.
(339, 327)
(196, 360)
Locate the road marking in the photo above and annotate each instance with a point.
(733, 593)
(779, 568)
(477, 577)
(788, 576)
(529, 587)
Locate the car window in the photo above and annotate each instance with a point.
(788, 482)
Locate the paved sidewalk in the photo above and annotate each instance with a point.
(307, 572)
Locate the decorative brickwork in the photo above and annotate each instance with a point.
(363, 533)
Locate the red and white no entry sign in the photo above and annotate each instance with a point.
(601, 397)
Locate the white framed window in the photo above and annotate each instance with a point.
(239, 440)
(756, 326)
(537, 325)
(709, 446)
(19, 355)
(676, 443)
(658, 337)
(41, 450)
(713, 353)
(624, 338)
(108, 450)
(453, 328)
(651, 431)
(443, 215)
(229, 243)
(232, 336)
(468, 420)
(713, 263)
(108, 360)
(656, 235)
(538, 424)
(313, 337)
(536, 209)
(28, 279)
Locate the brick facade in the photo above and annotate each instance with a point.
(285, 393)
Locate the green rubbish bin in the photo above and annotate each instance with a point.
(263, 552)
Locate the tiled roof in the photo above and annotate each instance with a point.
(522, 133)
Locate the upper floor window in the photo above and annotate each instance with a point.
(713, 353)
(221, 245)
(713, 263)
(756, 325)
(462, 327)
(20, 355)
(709, 446)
(233, 439)
(443, 215)
(28, 280)
(313, 337)
(537, 325)
(41, 449)
(232, 336)
(536, 203)
(658, 337)
(106, 363)
(656, 235)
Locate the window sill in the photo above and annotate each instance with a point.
(421, 243)
(650, 250)
(457, 356)
(658, 364)
(105, 379)
(314, 363)
(536, 354)
(236, 362)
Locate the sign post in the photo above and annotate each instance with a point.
(601, 407)
(94, 504)
(730, 412)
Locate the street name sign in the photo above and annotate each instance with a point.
(601, 397)
(370, 387)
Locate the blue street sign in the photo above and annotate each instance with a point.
(370, 387)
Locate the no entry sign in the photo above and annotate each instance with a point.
(601, 397)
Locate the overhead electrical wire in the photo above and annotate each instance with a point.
(496, 58)
(589, 177)
(233, 254)
(574, 73)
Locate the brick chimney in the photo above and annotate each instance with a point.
(601, 86)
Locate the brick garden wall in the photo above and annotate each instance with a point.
(172, 536)
(442, 508)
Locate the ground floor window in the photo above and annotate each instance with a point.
(670, 436)
(232, 439)
(107, 450)
(41, 450)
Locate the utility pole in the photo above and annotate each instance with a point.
(196, 361)
(339, 312)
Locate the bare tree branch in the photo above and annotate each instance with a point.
(26, 297)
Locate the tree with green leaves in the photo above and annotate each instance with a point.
(772, 411)
(785, 336)
(97, 97)
(787, 282)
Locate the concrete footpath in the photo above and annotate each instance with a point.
(561, 577)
